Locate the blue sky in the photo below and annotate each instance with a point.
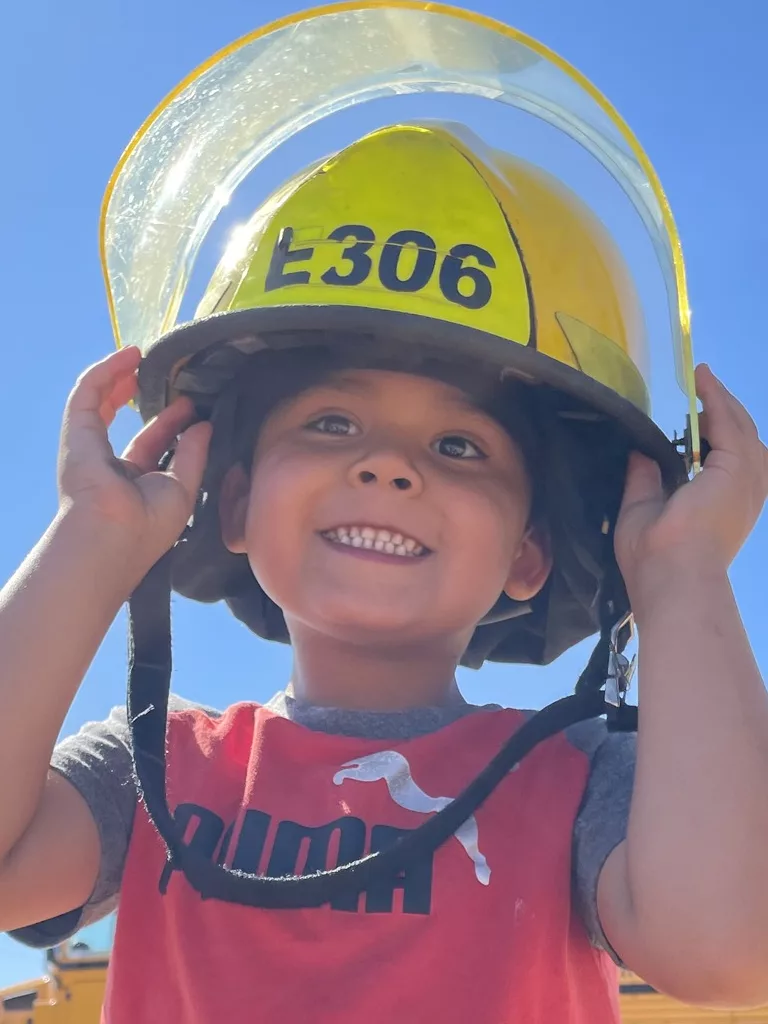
(78, 79)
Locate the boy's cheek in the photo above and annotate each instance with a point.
(477, 530)
(280, 490)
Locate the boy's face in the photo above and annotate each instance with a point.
(384, 507)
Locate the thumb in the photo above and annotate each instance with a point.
(643, 482)
(188, 463)
(642, 503)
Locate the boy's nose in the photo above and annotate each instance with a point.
(387, 469)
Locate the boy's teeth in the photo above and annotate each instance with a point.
(375, 540)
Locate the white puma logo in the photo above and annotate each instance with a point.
(396, 772)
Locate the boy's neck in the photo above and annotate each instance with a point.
(330, 673)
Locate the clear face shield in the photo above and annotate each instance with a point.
(202, 141)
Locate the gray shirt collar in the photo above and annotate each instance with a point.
(384, 725)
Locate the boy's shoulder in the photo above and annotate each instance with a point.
(592, 735)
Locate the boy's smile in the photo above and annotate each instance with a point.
(385, 506)
(371, 541)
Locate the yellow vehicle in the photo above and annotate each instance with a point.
(640, 1004)
(72, 989)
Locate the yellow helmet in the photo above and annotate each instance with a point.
(418, 249)
(426, 227)
(417, 240)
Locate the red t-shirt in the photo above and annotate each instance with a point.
(484, 933)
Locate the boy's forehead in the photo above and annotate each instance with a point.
(398, 384)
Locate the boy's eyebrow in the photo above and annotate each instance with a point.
(467, 404)
(355, 387)
(463, 402)
(363, 387)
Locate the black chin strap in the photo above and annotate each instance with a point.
(148, 691)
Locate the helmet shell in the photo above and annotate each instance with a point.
(419, 239)
(424, 221)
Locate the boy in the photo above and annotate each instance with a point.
(395, 487)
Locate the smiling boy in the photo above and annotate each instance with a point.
(443, 504)
(380, 478)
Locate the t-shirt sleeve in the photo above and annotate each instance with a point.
(601, 825)
(97, 761)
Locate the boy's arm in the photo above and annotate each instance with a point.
(116, 518)
(97, 762)
(684, 900)
(53, 616)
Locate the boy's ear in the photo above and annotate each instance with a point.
(233, 508)
(531, 566)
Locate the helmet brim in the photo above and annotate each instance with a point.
(167, 368)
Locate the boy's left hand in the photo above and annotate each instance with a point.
(683, 899)
(704, 524)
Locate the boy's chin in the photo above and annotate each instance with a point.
(382, 626)
(364, 624)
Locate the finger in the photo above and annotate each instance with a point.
(123, 391)
(94, 386)
(150, 444)
(725, 414)
(716, 422)
(643, 481)
(188, 462)
(83, 429)
(729, 428)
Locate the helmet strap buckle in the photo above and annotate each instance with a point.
(684, 444)
(620, 672)
(621, 669)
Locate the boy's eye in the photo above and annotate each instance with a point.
(454, 446)
(334, 424)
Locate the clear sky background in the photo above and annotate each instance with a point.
(77, 79)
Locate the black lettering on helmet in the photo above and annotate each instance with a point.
(357, 254)
(426, 257)
(282, 255)
(453, 271)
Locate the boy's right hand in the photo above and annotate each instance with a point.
(117, 517)
(138, 505)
